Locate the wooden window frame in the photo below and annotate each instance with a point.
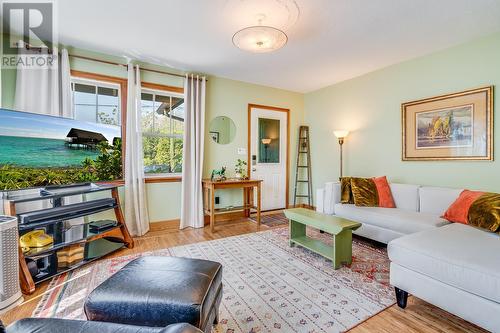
(123, 113)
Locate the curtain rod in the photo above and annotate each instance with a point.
(124, 65)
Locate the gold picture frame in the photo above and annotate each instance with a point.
(456, 126)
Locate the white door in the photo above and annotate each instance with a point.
(268, 154)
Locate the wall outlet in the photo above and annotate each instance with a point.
(242, 151)
(217, 200)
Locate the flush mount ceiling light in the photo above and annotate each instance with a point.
(260, 38)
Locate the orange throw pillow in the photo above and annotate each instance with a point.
(459, 210)
(385, 198)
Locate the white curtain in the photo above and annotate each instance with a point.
(136, 214)
(66, 106)
(192, 164)
(44, 90)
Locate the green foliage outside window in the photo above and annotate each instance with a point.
(162, 154)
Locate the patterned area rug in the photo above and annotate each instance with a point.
(268, 286)
(273, 220)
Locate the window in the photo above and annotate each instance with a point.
(269, 140)
(96, 101)
(162, 130)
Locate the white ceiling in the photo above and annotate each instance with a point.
(329, 40)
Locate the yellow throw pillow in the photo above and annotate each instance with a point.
(485, 212)
(346, 191)
(364, 192)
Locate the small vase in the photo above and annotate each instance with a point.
(238, 175)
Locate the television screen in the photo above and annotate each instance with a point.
(39, 150)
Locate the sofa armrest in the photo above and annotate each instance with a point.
(320, 200)
(328, 197)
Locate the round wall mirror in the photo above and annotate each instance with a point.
(222, 130)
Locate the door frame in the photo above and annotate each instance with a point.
(287, 162)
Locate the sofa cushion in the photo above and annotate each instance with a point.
(405, 196)
(400, 220)
(458, 255)
(436, 200)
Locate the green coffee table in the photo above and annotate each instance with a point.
(341, 229)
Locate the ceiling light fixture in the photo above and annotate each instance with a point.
(260, 38)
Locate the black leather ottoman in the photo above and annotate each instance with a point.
(159, 291)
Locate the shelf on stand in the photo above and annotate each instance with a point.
(233, 209)
(93, 250)
(39, 265)
(35, 194)
(87, 235)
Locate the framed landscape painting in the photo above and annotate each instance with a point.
(450, 127)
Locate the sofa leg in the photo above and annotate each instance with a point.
(401, 297)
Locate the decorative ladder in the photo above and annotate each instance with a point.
(303, 162)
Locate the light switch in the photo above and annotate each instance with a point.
(242, 151)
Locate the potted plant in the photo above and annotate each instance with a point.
(240, 169)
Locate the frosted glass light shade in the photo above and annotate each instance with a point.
(266, 141)
(260, 39)
(341, 133)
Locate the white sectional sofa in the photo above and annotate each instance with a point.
(453, 266)
(418, 208)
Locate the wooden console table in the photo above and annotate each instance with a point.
(247, 186)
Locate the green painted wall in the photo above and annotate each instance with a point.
(369, 106)
(231, 98)
(224, 98)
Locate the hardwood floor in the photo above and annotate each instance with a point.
(419, 316)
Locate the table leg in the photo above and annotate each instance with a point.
(212, 208)
(258, 204)
(246, 201)
(205, 199)
(251, 200)
(342, 248)
(296, 230)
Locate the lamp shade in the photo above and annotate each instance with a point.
(341, 133)
(266, 141)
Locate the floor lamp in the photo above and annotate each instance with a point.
(341, 135)
(266, 143)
